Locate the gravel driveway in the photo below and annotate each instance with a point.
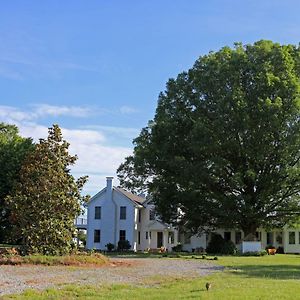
(15, 279)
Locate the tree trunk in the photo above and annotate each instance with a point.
(249, 231)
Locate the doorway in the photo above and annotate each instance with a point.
(159, 239)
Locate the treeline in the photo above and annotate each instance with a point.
(39, 198)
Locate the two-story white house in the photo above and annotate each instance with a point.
(115, 214)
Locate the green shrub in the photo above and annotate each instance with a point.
(110, 247)
(123, 245)
(218, 245)
(254, 253)
(280, 250)
(177, 248)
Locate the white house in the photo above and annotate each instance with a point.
(287, 238)
(115, 214)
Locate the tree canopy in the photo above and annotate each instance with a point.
(13, 150)
(47, 198)
(223, 148)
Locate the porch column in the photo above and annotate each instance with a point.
(149, 239)
(165, 238)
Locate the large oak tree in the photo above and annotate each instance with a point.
(224, 146)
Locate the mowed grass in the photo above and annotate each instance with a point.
(268, 277)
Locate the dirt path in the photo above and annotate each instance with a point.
(15, 279)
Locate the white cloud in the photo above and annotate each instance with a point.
(128, 110)
(96, 157)
(125, 132)
(11, 114)
(53, 110)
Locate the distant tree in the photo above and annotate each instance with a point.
(13, 150)
(224, 146)
(47, 199)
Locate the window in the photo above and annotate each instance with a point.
(152, 214)
(123, 213)
(269, 238)
(97, 212)
(140, 216)
(171, 237)
(122, 235)
(97, 236)
(147, 235)
(139, 237)
(292, 236)
(150, 235)
(227, 236)
(238, 237)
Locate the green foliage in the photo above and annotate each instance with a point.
(177, 248)
(81, 235)
(224, 145)
(110, 247)
(13, 150)
(47, 198)
(254, 253)
(217, 245)
(124, 245)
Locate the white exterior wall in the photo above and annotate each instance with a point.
(105, 224)
(195, 242)
(129, 223)
(110, 223)
(291, 248)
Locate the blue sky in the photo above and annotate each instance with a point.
(97, 67)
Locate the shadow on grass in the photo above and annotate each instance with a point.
(268, 271)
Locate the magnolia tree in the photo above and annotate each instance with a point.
(47, 199)
(224, 146)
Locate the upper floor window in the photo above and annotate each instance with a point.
(98, 212)
(123, 213)
(97, 236)
(152, 214)
(140, 216)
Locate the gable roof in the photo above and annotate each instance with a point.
(135, 198)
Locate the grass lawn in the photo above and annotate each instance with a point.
(268, 277)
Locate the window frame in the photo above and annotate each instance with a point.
(294, 234)
(97, 235)
(122, 235)
(98, 213)
(123, 212)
